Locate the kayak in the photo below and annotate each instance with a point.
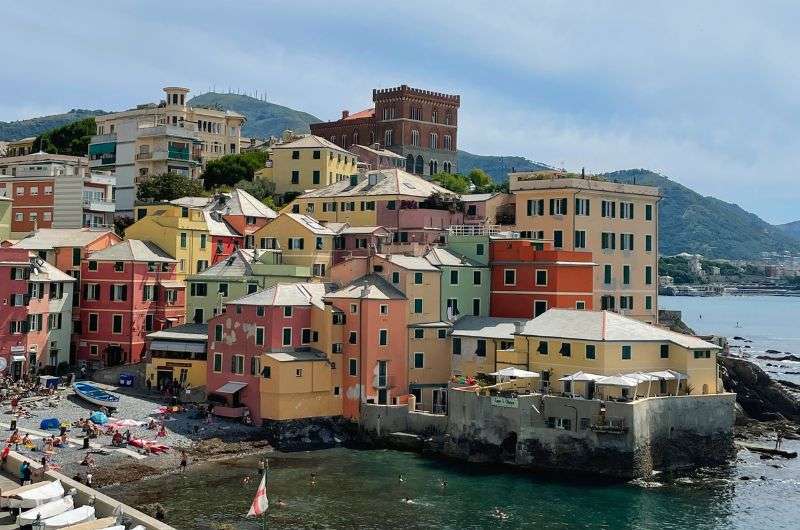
(72, 517)
(44, 511)
(95, 395)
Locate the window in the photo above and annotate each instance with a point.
(337, 347)
(608, 241)
(648, 275)
(541, 277)
(315, 155)
(202, 265)
(419, 333)
(607, 302)
(296, 243)
(419, 360)
(607, 277)
(287, 311)
(479, 250)
(91, 291)
(476, 307)
(626, 302)
(255, 366)
(626, 274)
(93, 322)
(626, 241)
(648, 243)
(415, 138)
(198, 289)
(702, 354)
(558, 239)
(608, 209)
(353, 337)
(665, 351)
(116, 324)
(535, 207)
(648, 212)
(237, 364)
(287, 337)
(590, 351)
(417, 305)
(148, 293)
(480, 348)
(580, 305)
(418, 278)
(260, 311)
(384, 309)
(305, 336)
(353, 309)
(452, 307)
(218, 332)
(76, 257)
(580, 238)
(383, 337)
(119, 266)
(217, 362)
(352, 366)
(566, 349)
(119, 293)
(510, 277)
(295, 155)
(183, 240)
(456, 345)
(581, 206)
(295, 177)
(442, 333)
(453, 277)
(315, 177)
(477, 277)
(387, 137)
(626, 210)
(338, 318)
(298, 372)
(626, 353)
(558, 206)
(542, 349)
(648, 302)
(539, 307)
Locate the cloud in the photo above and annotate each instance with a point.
(705, 92)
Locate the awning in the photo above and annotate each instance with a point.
(231, 387)
(514, 372)
(581, 376)
(172, 284)
(669, 375)
(100, 149)
(168, 345)
(617, 380)
(18, 358)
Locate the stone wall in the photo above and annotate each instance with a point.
(110, 376)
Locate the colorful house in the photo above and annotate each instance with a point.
(429, 365)
(243, 212)
(302, 240)
(489, 209)
(14, 325)
(129, 290)
(465, 284)
(307, 163)
(529, 277)
(611, 356)
(476, 341)
(412, 208)
(357, 241)
(66, 248)
(177, 354)
(374, 157)
(5, 217)
(244, 272)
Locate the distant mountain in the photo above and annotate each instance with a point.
(496, 167)
(793, 228)
(264, 119)
(690, 222)
(17, 130)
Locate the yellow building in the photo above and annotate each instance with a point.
(177, 354)
(5, 217)
(20, 147)
(285, 396)
(601, 353)
(416, 278)
(617, 223)
(307, 163)
(476, 341)
(429, 365)
(302, 241)
(180, 229)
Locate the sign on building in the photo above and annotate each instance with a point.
(507, 402)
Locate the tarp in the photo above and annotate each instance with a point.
(231, 387)
(514, 372)
(49, 423)
(581, 376)
(669, 375)
(617, 380)
(642, 376)
(98, 418)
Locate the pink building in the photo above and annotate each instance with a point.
(129, 290)
(357, 241)
(14, 272)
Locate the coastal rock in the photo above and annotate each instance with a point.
(759, 396)
(790, 357)
(772, 351)
(306, 434)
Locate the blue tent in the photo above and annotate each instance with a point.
(49, 423)
(98, 418)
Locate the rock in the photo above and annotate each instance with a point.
(762, 477)
(744, 477)
(759, 396)
(737, 337)
(790, 357)
(766, 457)
(772, 351)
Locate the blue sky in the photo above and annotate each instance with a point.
(704, 92)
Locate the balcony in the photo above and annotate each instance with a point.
(187, 130)
(99, 205)
(105, 179)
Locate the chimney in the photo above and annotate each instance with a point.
(518, 327)
(345, 114)
(376, 146)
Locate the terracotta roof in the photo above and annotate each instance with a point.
(366, 113)
(311, 141)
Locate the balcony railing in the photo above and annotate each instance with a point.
(99, 205)
(144, 156)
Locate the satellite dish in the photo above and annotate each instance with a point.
(3, 364)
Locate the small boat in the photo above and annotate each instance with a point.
(72, 517)
(31, 498)
(44, 511)
(95, 395)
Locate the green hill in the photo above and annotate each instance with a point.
(793, 229)
(16, 130)
(497, 167)
(264, 119)
(690, 222)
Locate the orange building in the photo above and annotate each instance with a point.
(529, 277)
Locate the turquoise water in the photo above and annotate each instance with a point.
(360, 489)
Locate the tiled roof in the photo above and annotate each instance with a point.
(363, 230)
(236, 266)
(44, 272)
(412, 263)
(371, 286)
(197, 332)
(132, 250)
(604, 326)
(477, 197)
(442, 257)
(311, 141)
(485, 327)
(294, 354)
(312, 224)
(49, 238)
(239, 202)
(366, 113)
(381, 182)
(218, 226)
(378, 152)
(301, 293)
(192, 202)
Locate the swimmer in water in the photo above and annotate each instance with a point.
(499, 514)
(406, 500)
(281, 504)
(246, 479)
(443, 483)
(313, 479)
(401, 478)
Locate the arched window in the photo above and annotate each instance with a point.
(371, 137)
(344, 140)
(355, 137)
(434, 140)
(447, 142)
(333, 139)
(415, 138)
(435, 167)
(387, 137)
(410, 163)
(430, 168)
(433, 115)
(447, 118)
(419, 167)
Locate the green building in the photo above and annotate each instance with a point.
(465, 283)
(243, 272)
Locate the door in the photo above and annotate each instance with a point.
(163, 378)
(539, 307)
(439, 400)
(383, 396)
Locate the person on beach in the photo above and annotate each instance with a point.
(162, 432)
(25, 473)
(281, 503)
(88, 460)
(778, 439)
(184, 461)
(4, 454)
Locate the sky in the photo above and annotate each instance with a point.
(707, 93)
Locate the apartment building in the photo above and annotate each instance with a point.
(308, 162)
(129, 290)
(155, 138)
(56, 191)
(5, 218)
(475, 342)
(302, 240)
(375, 157)
(177, 354)
(617, 223)
(20, 147)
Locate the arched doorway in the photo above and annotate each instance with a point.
(430, 168)
(410, 163)
(419, 167)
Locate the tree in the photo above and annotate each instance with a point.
(71, 139)
(231, 169)
(453, 182)
(168, 187)
(260, 189)
(480, 180)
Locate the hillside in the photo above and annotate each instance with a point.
(264, 119)
(793, 229)
(496, 167)
(690, 222)
(16, 130)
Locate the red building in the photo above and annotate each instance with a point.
(129, 290)
(14, 272)
(419, 125)
(528, 277)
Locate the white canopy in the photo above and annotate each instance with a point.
(514, 372)
(581, 376)
(46, 492)
(642, 377)
(618, 380)
(669, 375)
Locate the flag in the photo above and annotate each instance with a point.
(260, 502)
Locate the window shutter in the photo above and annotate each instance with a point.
(26, 326)
(124, 293)
(631, 213)
(13, 273)
(588, 203)
(564, 206)
(530, 207)
(26, 299)
(552, 206)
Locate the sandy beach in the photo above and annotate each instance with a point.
(185, 430)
